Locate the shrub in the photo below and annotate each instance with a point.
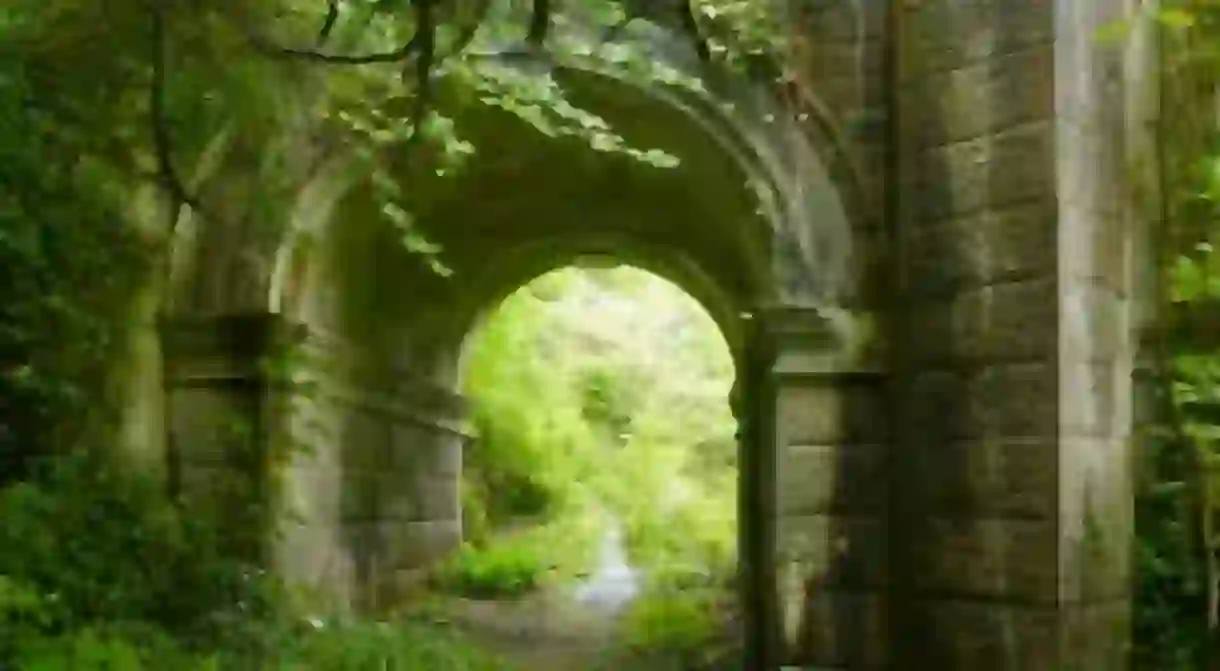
(499, 570)
(405, 646)
(684, 626)
(110, 649)
(84, 546)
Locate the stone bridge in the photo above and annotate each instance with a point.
(923, 254)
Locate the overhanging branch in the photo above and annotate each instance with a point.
(426, 34)
(268, 48)
(332, 17)
(540, 24)
(414, 46)
(167, 173)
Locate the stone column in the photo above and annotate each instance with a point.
(339, 472)
(371, 491)
(823, 481)
(223, 413)
(1013, 526)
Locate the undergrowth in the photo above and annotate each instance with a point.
(100, 571)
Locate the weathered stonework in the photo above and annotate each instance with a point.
(1014, 410)
(919, 253)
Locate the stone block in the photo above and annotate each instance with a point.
(365, 440)
(427, 449)
(360, 498)
(842, 629)
(313, 429)
(1012, 166)
(970, 634)
(1096, 637)
(942, 35)
(1002, 477)
(819, 60)
(383, 546)
(992, 558)
(822, 479)
(830, 20)
(1095, 322)
(421, 498)
(1018, 400)
(828, 410)
(1097, 247)
(313, 491)
(1013, 242)
(1096, 398)
(937, 408)
(1010, 400)
(1091, 165)
(309, 552)
(1096, 519)
(214, 425)
(985, 97)
(1010, 322)
(826, 550)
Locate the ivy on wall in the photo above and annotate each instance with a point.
(1178, 579)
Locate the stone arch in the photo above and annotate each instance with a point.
(790, 152)
(533, 261)
(752, 221)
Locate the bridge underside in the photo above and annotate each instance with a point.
(926, 279)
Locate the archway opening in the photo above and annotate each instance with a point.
(602, 483)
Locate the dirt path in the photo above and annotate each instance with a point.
(543, 632)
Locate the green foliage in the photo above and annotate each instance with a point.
(670, 627)
(512, 562)
(70, 265)
(87, 546)
(406, 645)
(99, 571)
(501, 570)
(532, 445)
(608, 391)
(109, 648)
(1175, 616)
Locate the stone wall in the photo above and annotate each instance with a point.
(1013, 362)
(956, 498)
(361, 467)
(831, 496)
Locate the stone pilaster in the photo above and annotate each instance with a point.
(825, 479)
(356, 462)
(223, 411)
(1013, 371)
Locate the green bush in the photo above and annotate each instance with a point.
(99, 572)
(405, 646)
(686, 627)
(499, 570)
(83, 546)
(110, 649)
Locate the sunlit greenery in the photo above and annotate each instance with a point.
(1177, 621)
(603, 394)
(112, 116)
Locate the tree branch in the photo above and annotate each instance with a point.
(413, 46)
(332, 17)
(425, 32)
(540, 23)
(271, 50)
(167, 174)
(690, 25)
(467, 35)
